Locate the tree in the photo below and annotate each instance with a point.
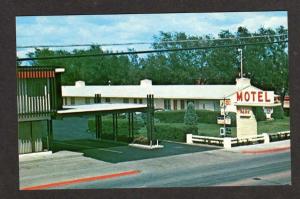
(265, 64)
(190, 116)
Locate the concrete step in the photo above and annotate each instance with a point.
(49, 158)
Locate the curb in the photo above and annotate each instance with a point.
(265, 151)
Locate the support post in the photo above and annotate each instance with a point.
(50, 135)
(129, 127)
(266, 138)
(148, 118)
(31, 138)
(100, 127)
(132, 126)
(116, 116)
(115, 126)
(152, 116)
(227, 142)
(98, 123)
(189, 139)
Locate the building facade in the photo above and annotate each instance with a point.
(167, 97)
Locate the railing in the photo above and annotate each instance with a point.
(36, 92)
(190, 139)
(248, 140)
(228, 142)
(282, 135)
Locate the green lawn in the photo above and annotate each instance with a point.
(207, 129)
(212, 130)
(262, 127)
(274, 125)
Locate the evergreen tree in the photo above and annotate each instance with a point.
(190, 117)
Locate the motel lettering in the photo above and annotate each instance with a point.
(255, 96)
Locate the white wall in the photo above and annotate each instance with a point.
(158, 103)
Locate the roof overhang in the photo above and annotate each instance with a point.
(101, 108)
(258, 104)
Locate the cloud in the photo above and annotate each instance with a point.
(256, 22)
(43, 30)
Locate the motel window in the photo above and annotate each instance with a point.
(126, 100)
(107, 100)
(65, 101)
(140, 101)
(182, 104)
(167, 104)
(72, 100)
(87, 100)
(135, 100)
(175, 104)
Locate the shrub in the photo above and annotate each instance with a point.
(190, 116)
(259, 113)
(278, 112)
(173, 132)
(140, 140)
(205, 116)
(170, 116)
(143, 118)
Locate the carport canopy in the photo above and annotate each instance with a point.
(100, 109)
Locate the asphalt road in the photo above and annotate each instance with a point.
(213, 168)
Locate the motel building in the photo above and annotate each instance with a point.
(170, 97)
(240, 98)
(41, 99)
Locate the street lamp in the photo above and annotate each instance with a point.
(241, 51)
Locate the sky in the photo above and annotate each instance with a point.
(99, 29)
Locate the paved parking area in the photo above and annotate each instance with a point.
(118, 152)
(71, 134)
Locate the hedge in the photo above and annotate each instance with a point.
(259, 113)
(173, 132)
(204, 116)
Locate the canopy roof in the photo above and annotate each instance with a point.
(105, 107)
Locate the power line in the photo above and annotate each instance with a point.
(148, 43)
(146, 51)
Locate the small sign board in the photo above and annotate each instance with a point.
(268, 110)
(223, 103)
(244, 111)
(220, 120)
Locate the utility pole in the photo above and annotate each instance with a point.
(224, 115)
(241, 51)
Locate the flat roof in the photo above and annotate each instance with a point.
(159, 91)
(103, 107)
